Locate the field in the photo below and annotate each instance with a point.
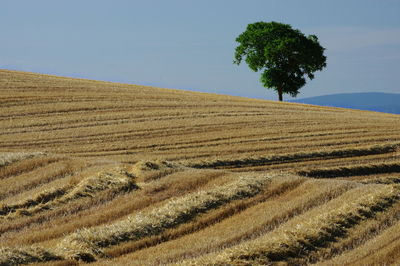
(115, 174)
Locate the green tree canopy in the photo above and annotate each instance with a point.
(285, 55)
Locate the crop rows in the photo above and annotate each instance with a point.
(118, 174)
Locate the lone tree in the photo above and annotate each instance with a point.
(285, 55)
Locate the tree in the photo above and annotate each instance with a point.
(285, 55)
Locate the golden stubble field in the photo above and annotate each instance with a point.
(115, 174)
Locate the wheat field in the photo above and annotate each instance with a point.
(116, 174)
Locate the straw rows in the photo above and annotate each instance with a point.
(170, 214)
(131, 123)
(113, 180)
(120, 174)
(309, 232)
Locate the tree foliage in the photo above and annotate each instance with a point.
(285, 55)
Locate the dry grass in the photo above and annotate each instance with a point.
(309, 231)
(106, 207)
(25, 166)
(86, 243)
(25, 256)
(7, 158)
(285, 198)
(77, 117)
(117, 173)
(384, 248)
(355, 170)
(42, 198)
(285, 158)
(359, 235)
(114, 180)
(149, 171)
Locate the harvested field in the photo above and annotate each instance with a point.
(118, 174)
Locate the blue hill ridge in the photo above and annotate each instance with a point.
(370, 101)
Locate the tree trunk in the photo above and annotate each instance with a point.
(280, 94)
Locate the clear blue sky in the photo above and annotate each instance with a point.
(188, 44)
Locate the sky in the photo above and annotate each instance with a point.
(188, 44)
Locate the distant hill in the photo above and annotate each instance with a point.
(371, 101)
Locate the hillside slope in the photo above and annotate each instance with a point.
(127, 174)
